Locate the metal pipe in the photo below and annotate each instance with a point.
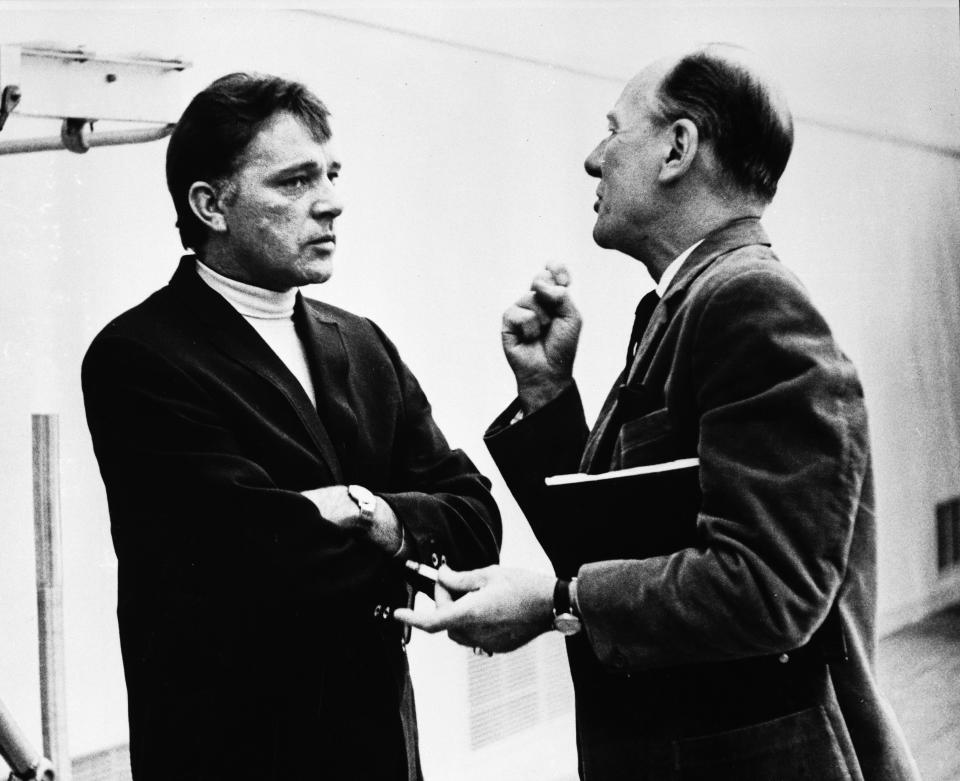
(19, 754)
(107, 138)
(14, 746)
(46, 511)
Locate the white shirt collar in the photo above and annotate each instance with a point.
(248, 300)
(671, 271)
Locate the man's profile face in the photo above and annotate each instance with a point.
(280, 205)
(627, 162)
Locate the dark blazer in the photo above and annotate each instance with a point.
(247, 622)
(739, 643)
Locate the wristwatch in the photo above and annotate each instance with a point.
(565, 620)
(366, 502)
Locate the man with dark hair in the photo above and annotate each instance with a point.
(714, 553)
(269, 463)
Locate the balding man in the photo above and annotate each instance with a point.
(720, 616)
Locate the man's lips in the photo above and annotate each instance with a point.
(328, 239)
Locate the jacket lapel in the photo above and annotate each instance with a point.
(230, 333)
(330, 370)
(737, 234)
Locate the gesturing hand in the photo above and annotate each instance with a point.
(493, 608)
(539, 334)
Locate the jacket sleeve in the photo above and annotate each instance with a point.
(441, 499)
(783, 455)
(548, 442)
(191, 509)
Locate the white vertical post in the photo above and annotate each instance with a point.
(46, 511)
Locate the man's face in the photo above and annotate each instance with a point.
(280, 205)
(627, 163)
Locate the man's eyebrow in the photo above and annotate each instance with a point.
(305, 166)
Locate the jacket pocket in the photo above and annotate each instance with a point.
(800, 745)
(649, 439)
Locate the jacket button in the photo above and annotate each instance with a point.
(783, 658)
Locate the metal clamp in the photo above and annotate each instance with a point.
(75, 134)
(8, 102)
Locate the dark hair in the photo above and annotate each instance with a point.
(733, 109)
(217, 127)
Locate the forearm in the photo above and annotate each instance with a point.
(547, 442)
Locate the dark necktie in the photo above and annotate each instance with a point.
(640, 322)
(599, 449)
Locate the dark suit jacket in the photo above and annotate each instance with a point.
(250, 644)
(680, 670)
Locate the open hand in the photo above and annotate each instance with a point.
(493, 608)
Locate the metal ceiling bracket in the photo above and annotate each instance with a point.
(8, 102)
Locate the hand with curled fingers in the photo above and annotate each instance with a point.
(540, 334)
(495, 609)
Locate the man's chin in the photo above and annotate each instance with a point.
(600, 237)
(318, 271)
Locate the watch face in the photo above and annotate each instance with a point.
(567, 624)
(365, 500)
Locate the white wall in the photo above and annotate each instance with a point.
(463, 175)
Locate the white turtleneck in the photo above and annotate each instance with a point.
(271, 314)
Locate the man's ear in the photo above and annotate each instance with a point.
(684, 141)
(205, 204)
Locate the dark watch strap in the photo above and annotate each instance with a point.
(561, 598)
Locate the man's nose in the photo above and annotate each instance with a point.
(594, 160)
(328, 203)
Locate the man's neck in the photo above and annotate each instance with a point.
(679, 231)
(249, 300)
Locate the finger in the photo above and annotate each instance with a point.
(546, 287)
(522, 323)
(552, 297)
(428, 620)
(441, 596)
(553, 274)
(529, 301)
(560, 274)
(470, 580)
